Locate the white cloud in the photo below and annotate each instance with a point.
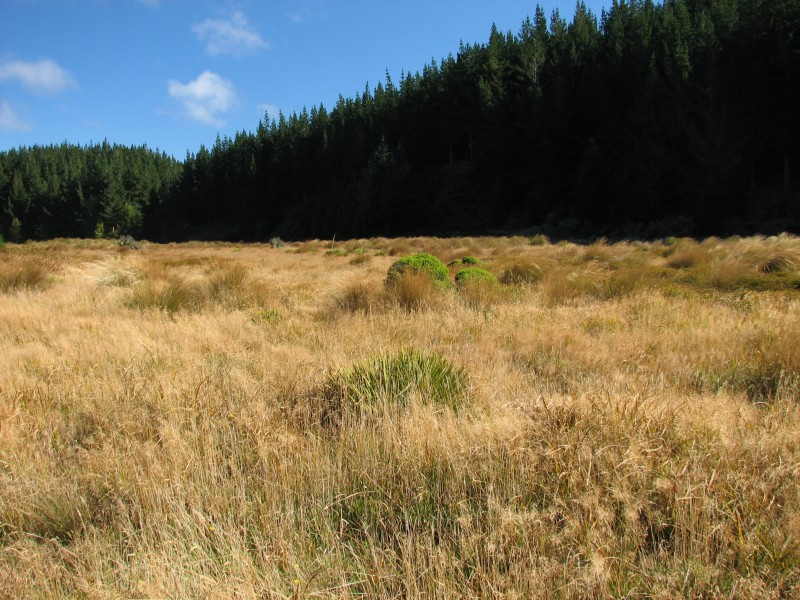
(301, 15)
(302, 11)
(9, 120)
(41, 76)
(206, 98)
(232, 36)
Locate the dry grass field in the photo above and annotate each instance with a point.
(240, 421)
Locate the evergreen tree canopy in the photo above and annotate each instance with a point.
(649, 119)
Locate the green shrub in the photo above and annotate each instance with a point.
(2, 242)
(421, 262)
(393, 378)
(474, 275)
(466, 260)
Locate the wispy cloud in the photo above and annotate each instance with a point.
(234, 36)
(206, 99)
(301, 11)
(39, 76)
(9, 120)
(269, 109)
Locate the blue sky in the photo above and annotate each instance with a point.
(173, 74)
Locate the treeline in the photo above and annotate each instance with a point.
(651, 120)
(71, 191)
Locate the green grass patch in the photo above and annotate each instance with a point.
(394, 378)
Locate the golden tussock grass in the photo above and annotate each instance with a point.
(25, 274)
(219, 420)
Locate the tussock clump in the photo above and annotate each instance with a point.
(234, 287)
(355, 297)
(413, 291)
(114, 273)
(392, 380)
(600, 251)
(780, 263)
(361, 258)
(223, 283)
(686, 255)
(522, 271)
(172, 296)
(480, 294)
(562, 286)
(422, 263)
(25, 274)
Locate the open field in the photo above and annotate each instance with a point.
(237, 421)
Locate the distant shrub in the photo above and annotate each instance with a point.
(466, 260)
(2, 242)
(474, 275)
(421, 263)
(393, 379)
(277, 242)
(126, 241)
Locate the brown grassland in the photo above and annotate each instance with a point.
(239, 421)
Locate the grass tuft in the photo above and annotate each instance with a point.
(393, 379)
(171, 296)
